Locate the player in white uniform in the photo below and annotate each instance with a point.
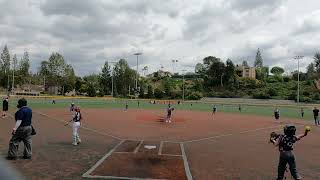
(76, 119)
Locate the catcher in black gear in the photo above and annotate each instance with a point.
(285, 143)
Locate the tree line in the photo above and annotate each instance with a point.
(211, 78)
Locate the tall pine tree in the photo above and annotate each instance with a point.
(24, 65)
(5, 61)
(105, 78)
(5, 58)
(258, 61)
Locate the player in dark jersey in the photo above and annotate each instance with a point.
(239, 108)
(285, 143)
(127, 106)
(5, 106)
(316, 116)
(302, 112)
(277, 114)
(214, 109)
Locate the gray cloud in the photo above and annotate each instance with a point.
(87, 33)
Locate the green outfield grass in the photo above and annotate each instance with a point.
(267, 110)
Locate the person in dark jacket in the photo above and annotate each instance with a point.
(22, 131)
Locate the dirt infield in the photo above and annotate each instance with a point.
(224, 146)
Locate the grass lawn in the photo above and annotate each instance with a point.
(267, 110)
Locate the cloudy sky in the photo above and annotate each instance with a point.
(89, 32)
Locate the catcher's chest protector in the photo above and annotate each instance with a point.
(286, 143)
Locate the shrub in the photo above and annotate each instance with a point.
(195, 96)
(272, 92)
(91, 91)
(316, 96)
(158, 93)
(262, 94)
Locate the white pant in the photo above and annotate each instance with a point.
(75, 127)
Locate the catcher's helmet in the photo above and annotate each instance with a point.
(289, 130)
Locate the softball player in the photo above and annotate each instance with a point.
(285, 143)
(169, 113)
(72, 107)
(302, 112)
(239, 108)
(5, 106)
(127, 106)
(277, 114)
(214, 109)
(76, 118)
(316, 116)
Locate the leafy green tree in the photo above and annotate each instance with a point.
(91, 90)
(24, 65)
(124, 77)
(258, 61)
(150, 92)
(214, 73)
(230, 70)
(302, 76)
(141, 93)
(311, 72)
(158, 93)
(78, 84)
(277, 70)
(58, 73)
(262, 73)
(199, 69)
(168, 86)
(317, 63)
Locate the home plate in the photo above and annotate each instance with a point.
(150, 147)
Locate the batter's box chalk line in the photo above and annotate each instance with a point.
(92, 169)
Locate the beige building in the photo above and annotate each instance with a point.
(244, 71)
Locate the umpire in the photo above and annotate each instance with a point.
(22, 131)
(316, 116)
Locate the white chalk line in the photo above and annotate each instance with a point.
(101, 160)
(185, 162)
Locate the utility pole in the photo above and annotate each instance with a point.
(183, 94)
(44, 83)
(14, 69)
(298, 93)
(137, 54)
(112, 81)
(8, 83)
(173, 64)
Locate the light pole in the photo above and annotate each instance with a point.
(14, 69)
(183, 85)
(173, 62)
(137, 54)
(112, 62)
(298, 93)
(5, 72)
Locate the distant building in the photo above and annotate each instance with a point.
(244, 71)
